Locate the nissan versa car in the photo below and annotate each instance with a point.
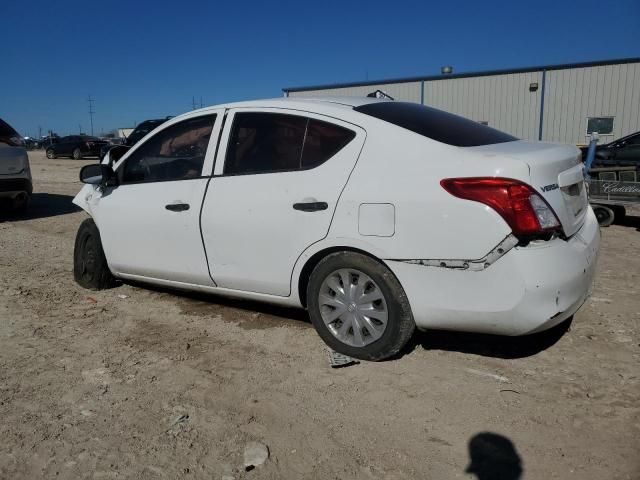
(15, 174)
(376, 216)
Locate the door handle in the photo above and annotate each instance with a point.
(310, 206)
(177, 207)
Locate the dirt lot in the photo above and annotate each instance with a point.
(97, 386)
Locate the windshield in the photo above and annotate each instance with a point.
(435, 124)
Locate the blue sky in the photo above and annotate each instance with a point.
(145, 59)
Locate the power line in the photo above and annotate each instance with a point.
(91, 111)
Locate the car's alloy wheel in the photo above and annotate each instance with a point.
(353, 307)
(358, 307)
(77, 154)
(50, 154)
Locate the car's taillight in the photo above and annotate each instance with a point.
(526, 212)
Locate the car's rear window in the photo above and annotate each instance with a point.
(435, 124)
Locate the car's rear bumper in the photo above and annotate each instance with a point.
(529, 289)
(10, 187)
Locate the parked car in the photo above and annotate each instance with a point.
(15, 173)
(137, 134)
(376, 216)
(142, 129)
(622, 152)
(76, 147)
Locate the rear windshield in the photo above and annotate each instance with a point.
(6, 130)
(435, 124)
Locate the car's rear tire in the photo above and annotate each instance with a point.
(90, 269)
(604, 215)
(50, 153)
(619, 213)
(77, 154)
(358, 307)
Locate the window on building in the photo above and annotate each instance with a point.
(175, 153)
(600, 125)
(272, 142)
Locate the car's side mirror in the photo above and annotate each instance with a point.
(98, 174)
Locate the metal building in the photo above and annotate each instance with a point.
(558, 103)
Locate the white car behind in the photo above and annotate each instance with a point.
(377, 216)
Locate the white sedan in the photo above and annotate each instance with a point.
(376, 216)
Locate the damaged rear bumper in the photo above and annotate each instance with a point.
(528, 289)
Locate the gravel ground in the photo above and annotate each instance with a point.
(145, 383)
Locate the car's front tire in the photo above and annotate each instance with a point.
(77, 154)
(90, 269)
(358, 307)
(50, 153)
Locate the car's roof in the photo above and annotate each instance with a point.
(302, 103)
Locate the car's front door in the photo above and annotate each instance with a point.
(274, 192)
(149, 223)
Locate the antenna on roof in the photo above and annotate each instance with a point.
(380, 94)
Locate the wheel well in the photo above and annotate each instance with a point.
(305, 274)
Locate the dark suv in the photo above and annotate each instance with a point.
(76, 146)
(137, 134)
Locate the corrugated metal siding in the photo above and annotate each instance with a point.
(573, 95)
(504, 101)
(408, 92)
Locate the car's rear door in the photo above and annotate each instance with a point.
(149, 223)
(278, 177)
(63, 147)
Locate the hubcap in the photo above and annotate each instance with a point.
(353, 307)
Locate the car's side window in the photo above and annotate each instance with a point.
(272, 142)
(635, 141)
(322, 141)
(175, 153)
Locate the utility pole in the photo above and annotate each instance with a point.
(91, 111)
(39, 132)
(201, 105)
(193, 103)
(80, 129)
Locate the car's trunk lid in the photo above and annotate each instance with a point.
(555, 172)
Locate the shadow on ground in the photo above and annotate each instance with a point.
(629, 221)
(496, 346)
(493, 457)
(43, 205)
(248, 314)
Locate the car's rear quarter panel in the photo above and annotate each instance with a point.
(404, 169)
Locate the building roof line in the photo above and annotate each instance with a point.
(485, 73)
